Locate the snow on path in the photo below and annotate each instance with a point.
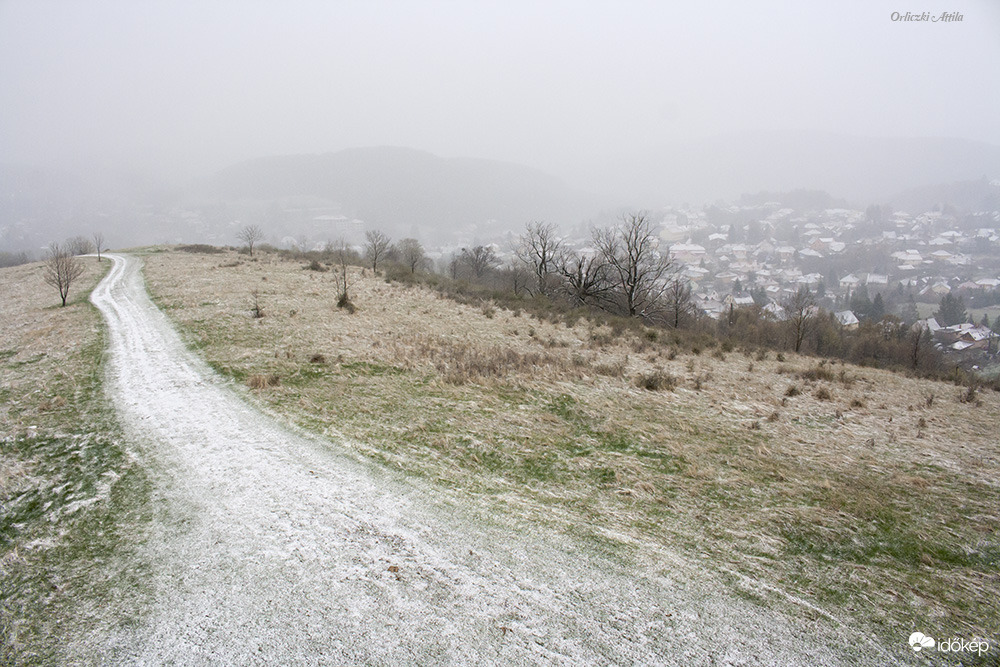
(271, 547)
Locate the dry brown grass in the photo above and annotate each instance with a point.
(831, 495)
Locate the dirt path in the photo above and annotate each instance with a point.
(270, 547)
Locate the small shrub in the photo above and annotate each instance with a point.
(792, 391)
(930, 399)
(773, 417)
(823, 394)
(969, 395)
(780, 357)
(317, 359)
(658, 380)
(487, 309)
(719, 354)
(857, 403)
(672, 354)
(921, 423)
(315, 266)
(761, 355)
(700, 380)
(256, 308)
(344, 302)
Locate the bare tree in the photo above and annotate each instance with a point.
(342, 253)
(677, 301)
(920, 343)
(517, 277)
(801, 312)
(251, 235)
(638, 271)
(585, 278)
(540, 250)
(61, 269)
(411, 254)
(99, 244)
(377, 245)
(78, 245)
(480, 260)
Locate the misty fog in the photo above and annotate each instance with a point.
(109, 108)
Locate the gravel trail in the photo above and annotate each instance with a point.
(272, 547)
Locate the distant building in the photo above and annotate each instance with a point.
(847, 319)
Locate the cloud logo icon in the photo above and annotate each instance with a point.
(919, 640)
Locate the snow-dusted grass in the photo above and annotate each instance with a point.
(863, 495)
(71, 496)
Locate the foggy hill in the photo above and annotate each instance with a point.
(399, 189)
(860, 169)
(972, 196)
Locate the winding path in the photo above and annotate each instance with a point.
(271, 547)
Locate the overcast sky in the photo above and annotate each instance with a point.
(200, 84)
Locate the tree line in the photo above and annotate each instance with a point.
(626, 275)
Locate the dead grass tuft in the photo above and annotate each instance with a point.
(819, 372)
(657, 380)
(259, 381)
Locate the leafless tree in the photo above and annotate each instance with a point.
(342, 255)
(411, 254)
(480, 260)
(377, 245)
(251, 235)
(61, 269)
(79, 245)
(801, 311)
(677, 301)
(920, 343)
(585, 278)
(540, 250)
(517, 277)
(99, 244)
(638, 271)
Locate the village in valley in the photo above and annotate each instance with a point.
(937, 269)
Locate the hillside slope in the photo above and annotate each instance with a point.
(850, 497)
